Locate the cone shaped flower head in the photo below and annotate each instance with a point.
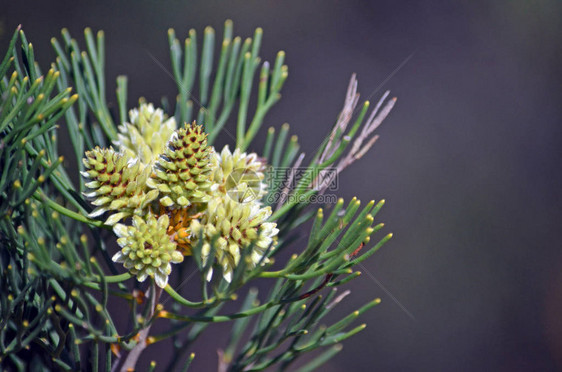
(239, 175)
(146, 249)
(182, 173)
(146, 134)
(239, 227)
(117, 183)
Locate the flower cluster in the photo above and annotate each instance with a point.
(166, 191)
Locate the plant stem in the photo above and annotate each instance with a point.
(133, 356)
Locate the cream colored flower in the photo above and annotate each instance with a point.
(147, 134)
(117, 183)
(238, 175)
(146, 248)
(236, 227)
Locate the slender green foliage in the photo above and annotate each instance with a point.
(57, 276)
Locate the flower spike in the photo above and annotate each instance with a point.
(147, 133)
(117, 183)
(146, 249)
(182, 174)
(238, 226)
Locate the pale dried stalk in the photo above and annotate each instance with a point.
(326, 177)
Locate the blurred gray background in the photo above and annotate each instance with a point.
(468, 161)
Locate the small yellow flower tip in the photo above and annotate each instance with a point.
(99, 308)
(115, 349)
(390, 235)
(83, 239)
(41, 179)
(17, 184)
(100, 34)
(209, 30)
(271, 130)
(163, 314)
